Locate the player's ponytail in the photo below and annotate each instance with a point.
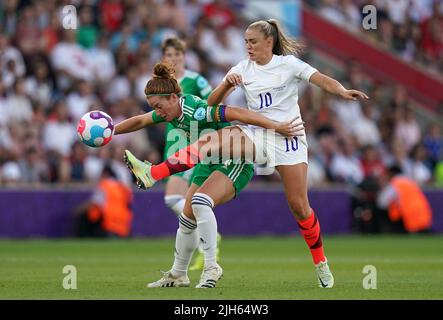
(163, 81)
(283, 44)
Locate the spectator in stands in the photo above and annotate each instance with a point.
(70, 61)
(345, 165)
(403, 43)
(87, 33)
(125, 37)
(59, 134)
(39, 86)
(50, 33)
(331, 11)
(18, 105)
(316, 172)
(81, 100)
(9, 20)
(101, 58)
(433, 142)
(366, 130)
(10, 174)
(352, 14)
(223, 46)
(122, 86)
(406, 203)
(385, 29)
(170, 13)
(371, 162)
(417, 169)
(144, 74)
(407, 129)
(5, 138)
(432, 31)
(112, 14)
(11, 62)
(28, 34)
(121, 171)
(420, 10)
(220, 14)
(95, 162)
(327, 142)
(349, 113)
(397, 10)
(76, 163)
(32, 168)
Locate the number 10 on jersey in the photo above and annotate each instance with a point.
(265, 100)
(291, 144)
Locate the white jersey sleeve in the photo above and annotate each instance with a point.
(301, 69)
(238, 68)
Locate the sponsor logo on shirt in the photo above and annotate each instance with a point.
(281, 88)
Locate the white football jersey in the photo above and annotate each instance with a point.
(271, 89)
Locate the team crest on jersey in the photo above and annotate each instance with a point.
(200, 114)
(202, 82)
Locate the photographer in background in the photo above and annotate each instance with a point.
(108, 213)
(407, 206)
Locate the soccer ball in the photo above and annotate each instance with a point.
(95, 128)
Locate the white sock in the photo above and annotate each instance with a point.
(176, 203)
(207, 226)
(186, 241)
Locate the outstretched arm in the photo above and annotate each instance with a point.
(289, 128)
(135, 123)
(333, 86)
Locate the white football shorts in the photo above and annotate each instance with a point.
(272, 149)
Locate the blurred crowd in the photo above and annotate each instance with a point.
(51, 76)
(412, 29)
(351, 141)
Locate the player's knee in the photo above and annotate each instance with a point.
(175, 203)
(187, 211)
(300, 207)
(199, 202)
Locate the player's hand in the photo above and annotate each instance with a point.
(233, 80)
(353, 95)
(291, 128)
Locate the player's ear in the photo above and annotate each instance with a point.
(173, 97)
(270, 41)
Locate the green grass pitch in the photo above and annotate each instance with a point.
(269, 268)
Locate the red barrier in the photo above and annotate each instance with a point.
(380, 64)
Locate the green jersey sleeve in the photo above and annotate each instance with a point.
(208, 114)
(156, 118)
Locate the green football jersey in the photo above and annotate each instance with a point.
(196, 116)
(195, 84)
(190, 83)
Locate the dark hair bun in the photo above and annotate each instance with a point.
(163, 71)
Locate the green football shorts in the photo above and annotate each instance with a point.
(239, 173)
